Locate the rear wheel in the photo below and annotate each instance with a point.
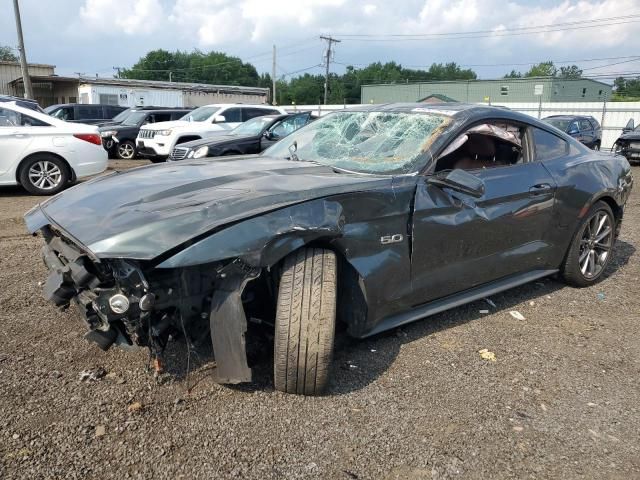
(591, 249)
(596, 146)
(305, 322)
(44, 174)
(126, 150)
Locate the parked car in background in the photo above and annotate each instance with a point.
(628, 144)
(374, 216)
(44, 154)
(156, 141)
(22, 102)
(585, 129)
(84, 113)
(250, 137)
(119, 139)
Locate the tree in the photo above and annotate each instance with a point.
(626, 89)
(544, 69)
(571, 71)
(7, 55)
(198, 67)
(513, 74)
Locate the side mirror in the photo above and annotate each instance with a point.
(629, 126)
(459, 181)
(267, 135)
(219, 119)
(573, 130)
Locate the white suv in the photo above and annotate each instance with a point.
(156, 141)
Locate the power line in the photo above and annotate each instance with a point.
(493, 34)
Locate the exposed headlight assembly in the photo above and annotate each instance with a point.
(201, 152)
(108, 133)
(164, 133)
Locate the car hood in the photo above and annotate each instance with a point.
(217, 140)
(187, 126)
(630, 136)
(144, 212)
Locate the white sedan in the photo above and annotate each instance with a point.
(44, 154)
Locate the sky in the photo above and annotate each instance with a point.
(93, 36)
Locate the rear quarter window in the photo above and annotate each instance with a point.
(548, 146)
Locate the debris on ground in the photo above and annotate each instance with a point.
(600, 296)
(135, 407)
(516, 314)
(487, 355)
(100, 431)
(483, 311)
(490, 302)
(92, 375)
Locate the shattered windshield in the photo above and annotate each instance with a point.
(368, 142)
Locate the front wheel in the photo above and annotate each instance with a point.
(126, 150)
(591, 248)
(305, 322)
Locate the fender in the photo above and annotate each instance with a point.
(263, 241)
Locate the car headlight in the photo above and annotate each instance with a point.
(201, 152)
(164, 133)
(108, 133)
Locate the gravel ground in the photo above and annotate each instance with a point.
(559, 401)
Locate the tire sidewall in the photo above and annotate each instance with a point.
(571, 267)
(23, 175)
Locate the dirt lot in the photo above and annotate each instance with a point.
(561, 399)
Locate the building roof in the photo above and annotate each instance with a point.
(17, 64)
(493, 80)
(437, 96)
(130, 83)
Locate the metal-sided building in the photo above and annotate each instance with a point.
(52, 89)
(536, 89)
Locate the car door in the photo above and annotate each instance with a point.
(282, 128)
(460, 241)
(14, 140)
(587, 135)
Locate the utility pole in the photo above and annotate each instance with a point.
(327, 60)
(26, 79)
(274, 100)
(118, 70)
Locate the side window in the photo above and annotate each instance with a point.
(64, 113)
(548, 146)
(28, 121)
(89, 112)
(289, 125)
(112, 112)
(249, 113)
(232, 115)
(9, 118)
(177, 115)
(585, 125)
(158, 117)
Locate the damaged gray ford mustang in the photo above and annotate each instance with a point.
(368, 218)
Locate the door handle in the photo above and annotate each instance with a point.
(540, 189)
(19, 135)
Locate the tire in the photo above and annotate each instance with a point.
(305, 322)
(578, 262)
(126, 150)
(157, 160)
(596, 146)
(44, 174)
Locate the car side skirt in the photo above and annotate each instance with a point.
(457, 300)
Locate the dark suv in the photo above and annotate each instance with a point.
(585, 129)
(628, 144)
(119, 139)
(22, 102)
(84, 113)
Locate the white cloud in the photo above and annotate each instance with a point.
(131, 17)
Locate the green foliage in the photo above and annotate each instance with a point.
(571, 71)
(544, 69)
(196, 67)
(7, 55)
(547, 69)
(626, 89)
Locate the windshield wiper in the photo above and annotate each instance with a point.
(293, 148)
